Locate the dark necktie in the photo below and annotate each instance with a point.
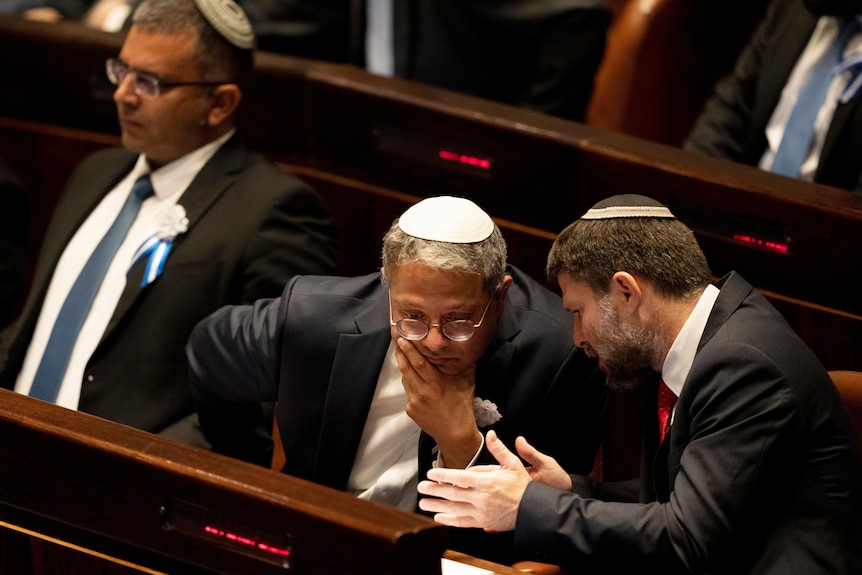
(798, 133)
(666, 401)
(55, 360)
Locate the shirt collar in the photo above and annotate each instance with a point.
(176, 176)
(679, 359)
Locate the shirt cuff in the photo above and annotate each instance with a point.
(438, 462)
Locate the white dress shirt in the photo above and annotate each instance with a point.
(379, 42)
(680, 357)
(386, 467)
(169, 183)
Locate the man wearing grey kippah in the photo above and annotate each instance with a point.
(377, 378)
(148, 239)
(750, 462)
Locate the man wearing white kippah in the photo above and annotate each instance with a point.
(380, 377)
(149, 238)
(750, 462)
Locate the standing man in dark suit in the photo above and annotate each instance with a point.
(748, 115)
(541, 54)
(375, 381)
(750, 462)
(221, 225)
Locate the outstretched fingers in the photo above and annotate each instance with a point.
(544, 468)
(451, 506)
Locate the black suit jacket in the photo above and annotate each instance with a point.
(319, 348)
(251, 227)
(760, 472)
(541, 54)
(733, 123)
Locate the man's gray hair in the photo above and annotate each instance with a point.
(486, 258)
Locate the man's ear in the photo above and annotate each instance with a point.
(502, 291)
(226, 99)
(627, 291)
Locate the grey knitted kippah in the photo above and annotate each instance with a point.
(627, 206)
(229, 20)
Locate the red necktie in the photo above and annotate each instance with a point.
(666, 401)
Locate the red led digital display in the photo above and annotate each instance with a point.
(215, 527)
(781, 248)
(465, 159)
(216, 532)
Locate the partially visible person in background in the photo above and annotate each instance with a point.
(791, 105)
(539, 54)
(107, 15)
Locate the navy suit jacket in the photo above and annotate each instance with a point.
(760, 472)
(733, 123)
(251, 227)
(319, 348)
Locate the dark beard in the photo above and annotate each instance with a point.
(843, 8)
(630, 381)
(624, 373)
(627, 352)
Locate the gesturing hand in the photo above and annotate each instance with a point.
(484, 496)
(545, 468)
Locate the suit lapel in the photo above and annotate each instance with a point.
(734, 289)
(494, 363)
(839, 165)
(73, 210)
(355, 370)
(212, 181)
(91, 185)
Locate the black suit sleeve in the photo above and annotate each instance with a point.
(233, 363)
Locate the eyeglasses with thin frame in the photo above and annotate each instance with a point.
(456, 330)
(145, 85)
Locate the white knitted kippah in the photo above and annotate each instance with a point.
(447, 219)
(627, 206)
(229, 20)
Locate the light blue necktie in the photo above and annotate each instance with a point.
(49, 375)
(796, 141)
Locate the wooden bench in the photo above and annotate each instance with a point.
(79, 492)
